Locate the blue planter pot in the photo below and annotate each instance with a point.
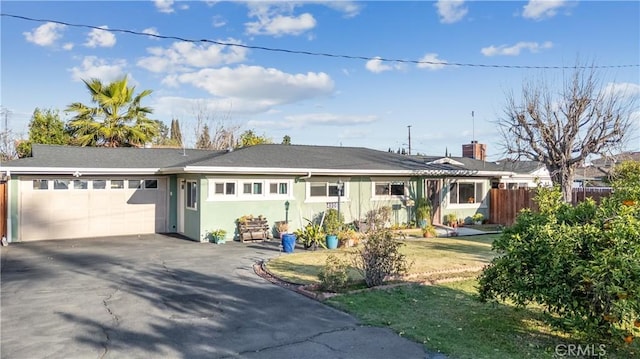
(332, 241)
(288, 242)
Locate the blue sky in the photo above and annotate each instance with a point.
(317, 100)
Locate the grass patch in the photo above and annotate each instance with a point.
(427, 255)
(448, 318)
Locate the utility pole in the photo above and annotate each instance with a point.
(409, 127)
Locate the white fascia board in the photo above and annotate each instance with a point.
(80, 170)
(307, 171)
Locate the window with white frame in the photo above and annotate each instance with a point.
(224, 188)
(389, 189)
(249, 188)
(40, 184)
(192, 194)
(323, 190)
(245, 189)
(461, 192)
(278, 188)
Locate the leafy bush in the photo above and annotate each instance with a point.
(333, 221)
(380, 257)
(311, 236)
(333, 275)
(582, 262)
(378, 218)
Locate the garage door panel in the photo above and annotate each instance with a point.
(87, 212)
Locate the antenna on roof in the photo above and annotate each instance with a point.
(473, 124)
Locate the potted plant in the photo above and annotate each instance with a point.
(452, 220)
(311, 236)
(423, 213)
(282, 228)
(477, 218)
(333, 222)
(348, 238)
(217, 236)
(429, 231)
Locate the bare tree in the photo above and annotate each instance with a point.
(223, 134)
(562, 129)
(8, 141)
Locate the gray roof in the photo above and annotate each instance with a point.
(267, 156)
(468, 163)
(318, 157)
(53, 156)
(519, 166)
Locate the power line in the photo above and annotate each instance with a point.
(314, 53)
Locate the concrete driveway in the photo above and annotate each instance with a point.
(161, 297)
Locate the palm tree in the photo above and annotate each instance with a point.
(117, 120)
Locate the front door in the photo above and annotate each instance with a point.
(434, 188)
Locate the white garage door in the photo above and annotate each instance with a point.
(58, 208)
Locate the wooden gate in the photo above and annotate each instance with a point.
(505, 204)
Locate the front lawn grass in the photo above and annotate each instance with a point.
(448, 318)
(426, 254)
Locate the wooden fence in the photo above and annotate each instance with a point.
(505, 204)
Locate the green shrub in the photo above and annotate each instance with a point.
(333, 275)
(333, 221)
(379, 257)
(582, 263)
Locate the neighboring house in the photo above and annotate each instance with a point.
(76, 192)
(527, 174)
(598, 172)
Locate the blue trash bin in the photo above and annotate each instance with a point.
(288, 242)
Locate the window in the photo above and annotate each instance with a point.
(135, 184)
(117, 184)
(99, 184)
(80, 184)
(61, 184)
(192, 194)
(225, 188)
(466, 192)
(151, 184)
(389, 188)
(325, 189)
(278, 188)
(252, 188)
(40, 184)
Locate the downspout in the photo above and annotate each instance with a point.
(304, 177)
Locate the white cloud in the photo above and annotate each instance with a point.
(93, 67)
(376, 65)
(68, 46)
(451, 11)
(165, 6)
(279, 25)
(432, 62)
(315, 119)
(100, 38)
(182, 56)
(622, 89)
(218, 21)
(45, 34)
(515, 50)
(151, 31)
(541, 9)
(257, 89)
(349, 8)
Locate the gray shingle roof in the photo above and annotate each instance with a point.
(320, 157)
(101, 157)
(270, 156)
(519, 166)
